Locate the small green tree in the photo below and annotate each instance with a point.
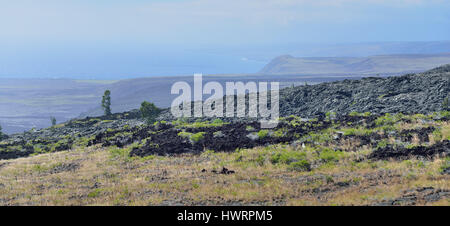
(149, 111)
(1, 134)
(53, 120)
(106, 102)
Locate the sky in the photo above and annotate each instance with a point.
(113, 39)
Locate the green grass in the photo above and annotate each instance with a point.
(94, 193)
(287, 157)
(387, 119)
(357, 131)
(182, 123)
(382, 144)
(437, 135)
(120, 153)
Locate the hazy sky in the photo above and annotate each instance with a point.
(131, 38)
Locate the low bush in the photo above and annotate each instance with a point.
(329, 155)
(302, 165)
(263, 133)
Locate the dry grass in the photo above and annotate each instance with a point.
(97, 176)
(107, 176)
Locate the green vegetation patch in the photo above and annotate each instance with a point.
(193, 137)
(329, 155)
(287, 157)
(445, 166)
(357, 131)
(182, 123)
(263, 133)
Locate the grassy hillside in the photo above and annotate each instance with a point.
(398, 160)
(395, 153)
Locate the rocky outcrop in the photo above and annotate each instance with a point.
(418, 196)
(441, 69)
(402, 153)
(412, 93)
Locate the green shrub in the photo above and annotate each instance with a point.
(302, 165)
(196, 137)
(329, 179)
(1, 134)
(437, 135)
(330, 115)
(445, 165)
(263, 133)
(95, 120)
(280, 132)
(149, 111)
(120, 153)
(185, 134)
(260, 160)
(84, 141)
(445, 114)
(410, 146)
(329, 155)
(94, 193)
(249, 128)
(287, 157)
(217, 121)
(320, 137)
(382, 144)
(53, 120)
(387, 119)
(354, 113)
(357, 132)
(193, 137)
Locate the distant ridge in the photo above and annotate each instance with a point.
(404, 63)
(441, 69)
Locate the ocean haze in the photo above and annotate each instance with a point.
(97, 39)
(124, 61)
(112, 62)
